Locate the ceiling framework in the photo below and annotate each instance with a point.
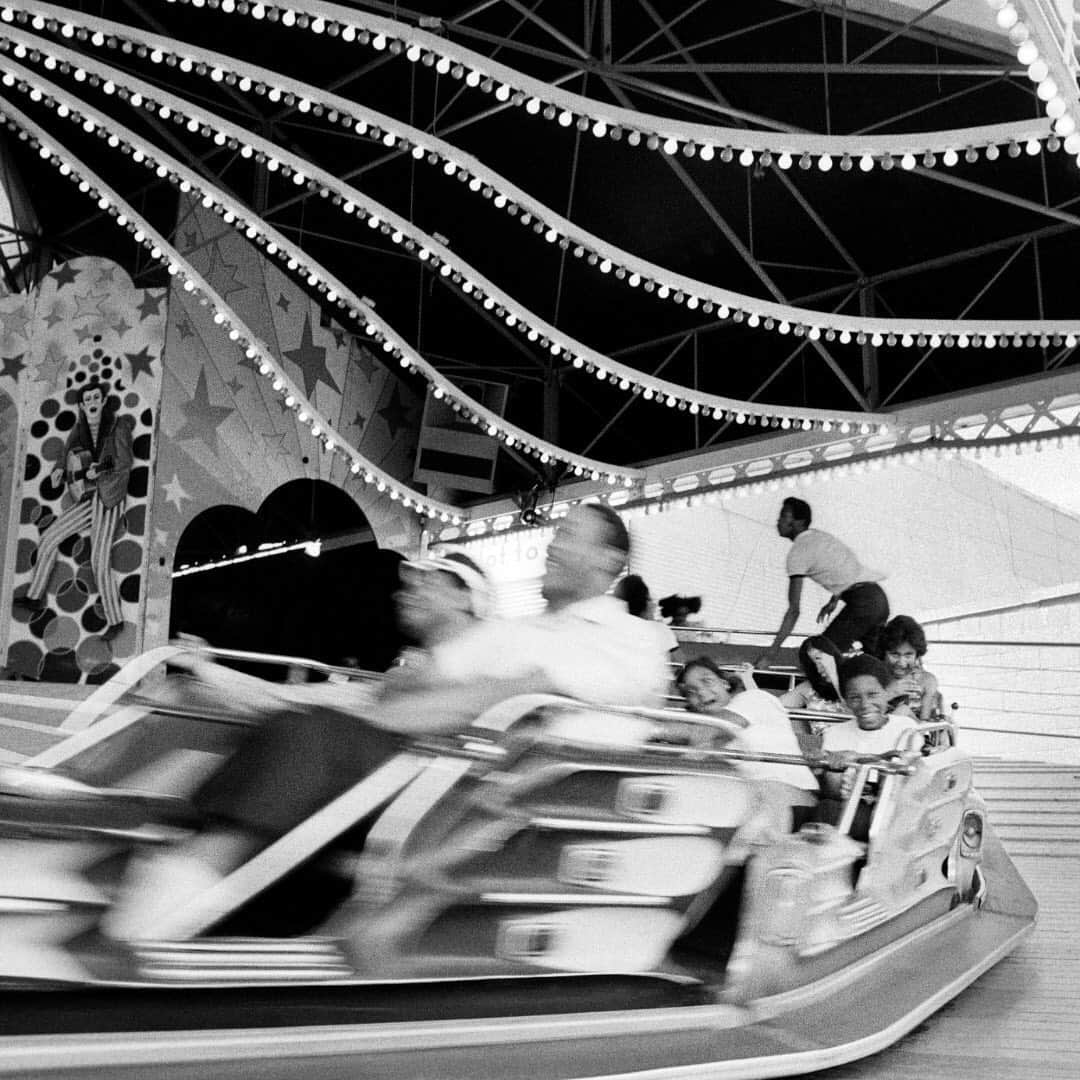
(987, 241)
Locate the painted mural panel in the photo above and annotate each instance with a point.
(87, 389)
(227, 438)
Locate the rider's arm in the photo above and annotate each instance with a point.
(452, 707)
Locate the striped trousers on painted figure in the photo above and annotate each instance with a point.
(101, 523)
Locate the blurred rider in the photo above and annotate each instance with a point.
(585, 645)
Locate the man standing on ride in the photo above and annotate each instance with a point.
(830, 563)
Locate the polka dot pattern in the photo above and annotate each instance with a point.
(65, 641)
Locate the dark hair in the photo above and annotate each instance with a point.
(822, 686)
(863, 664)
(635, 592)
(616, 536)
(897, 631)
(671, 604)
(734, 683)
(800, 510)
(85, 389)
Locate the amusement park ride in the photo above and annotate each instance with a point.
(561, 886)
(282, 221)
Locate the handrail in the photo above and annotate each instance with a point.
(729, 630)
(1016, 731)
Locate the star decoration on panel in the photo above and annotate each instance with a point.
(12, 366)
(140, 362)
(151, 303)
(361, 358)
(175, 493)
(311, 360)
(15, 322)
(64, 276)
(185, 328)
(275, 444)
(89, 306)
(395, 412)
(202, 420)
(222, 275)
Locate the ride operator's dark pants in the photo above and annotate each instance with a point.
(866, 607)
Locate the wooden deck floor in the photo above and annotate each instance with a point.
(1021, 1020)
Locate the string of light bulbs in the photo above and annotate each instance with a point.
(298, 261)
(570, 110)
(706, 488)
(604, 257)
(436, 254)
(230, 324)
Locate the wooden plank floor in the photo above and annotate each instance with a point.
(1021, 1020)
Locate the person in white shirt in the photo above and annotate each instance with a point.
(764, 724)
(864, 682)
(830, 563)
(585, 645)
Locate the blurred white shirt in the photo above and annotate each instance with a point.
(593, 650)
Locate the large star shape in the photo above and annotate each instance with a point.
(140, 361)
(311, 360)
(201, 419)
(395, 412)
(150, 304)
(175, 493)
(64, 276)
(11, 366)
(222, 275)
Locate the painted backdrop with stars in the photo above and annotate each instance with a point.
(227, 438)
(86, 320)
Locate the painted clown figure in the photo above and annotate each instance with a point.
(96, 466)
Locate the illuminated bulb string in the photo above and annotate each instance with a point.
(231, 325)
(703, 489)
(605, 258)
(559, 345)
(234, 213)
(575, 111)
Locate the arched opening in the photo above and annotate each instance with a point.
(302, 577)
